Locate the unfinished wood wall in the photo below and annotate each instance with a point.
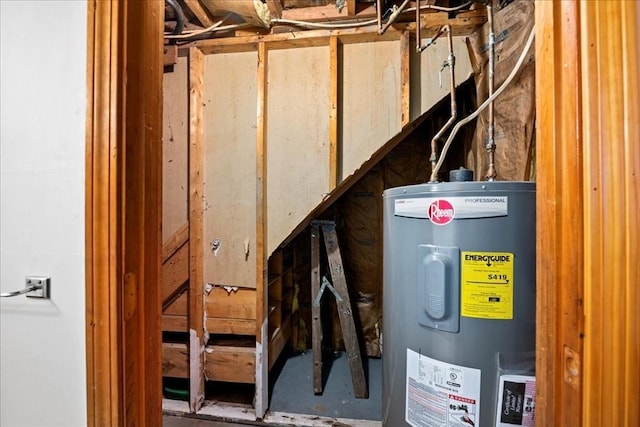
(271, 132)
(175, 210)
(297, 137)
(368, 83)
(426, 77)
(175, 149)
(371, 79)
(229, 168)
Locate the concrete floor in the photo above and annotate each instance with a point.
(183, 421)
(293, 402)
(175, 421)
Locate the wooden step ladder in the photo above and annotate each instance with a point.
(345, 310)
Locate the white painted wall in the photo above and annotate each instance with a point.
(42, 145)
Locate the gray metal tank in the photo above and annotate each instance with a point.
(459, 288)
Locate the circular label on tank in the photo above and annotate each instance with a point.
(441, 212)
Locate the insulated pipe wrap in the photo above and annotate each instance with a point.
(252, 11)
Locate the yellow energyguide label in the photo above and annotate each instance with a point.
(487, 285)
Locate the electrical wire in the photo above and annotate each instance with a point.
(323, 25)
(180, 18)
(484, 105)
(305, 24)
(213, 28)
(441, 8)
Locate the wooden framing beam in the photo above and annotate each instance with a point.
(463, 24)
(175, 242)
(335, 64)
(262, 300)
(405, 78)
(199, 12)
(275, 8)
(328, 12)
(196, 257)
(351, 7)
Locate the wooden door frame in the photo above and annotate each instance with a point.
(123, 208)
(588, 173)
(123, 212)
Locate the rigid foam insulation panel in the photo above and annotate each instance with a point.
(297, 137)
(175, 134)
(229, 168)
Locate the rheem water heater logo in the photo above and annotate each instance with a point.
(441, 212)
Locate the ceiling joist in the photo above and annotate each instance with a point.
(463, 24)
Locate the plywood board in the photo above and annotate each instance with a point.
(175, 360)
(425, 85)
(234, 304)
(217, 325)
(371, 102)
(297, 137)
(179, 307)
(175, 273)
(230, 364)
(175, 129)
(171, 323)
(229, 203)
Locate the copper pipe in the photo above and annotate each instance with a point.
(419, 47)
(505, 84)
(451, 61)
(490, 147)
(418, 38)
(393, 17)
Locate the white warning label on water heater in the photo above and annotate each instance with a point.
(441, 394)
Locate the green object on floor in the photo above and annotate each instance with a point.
(176, 394)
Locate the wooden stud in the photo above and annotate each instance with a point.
(196, 267)
(334, 113)
(351, 7)
(405, 78)
(262, 346)
(170, 56)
